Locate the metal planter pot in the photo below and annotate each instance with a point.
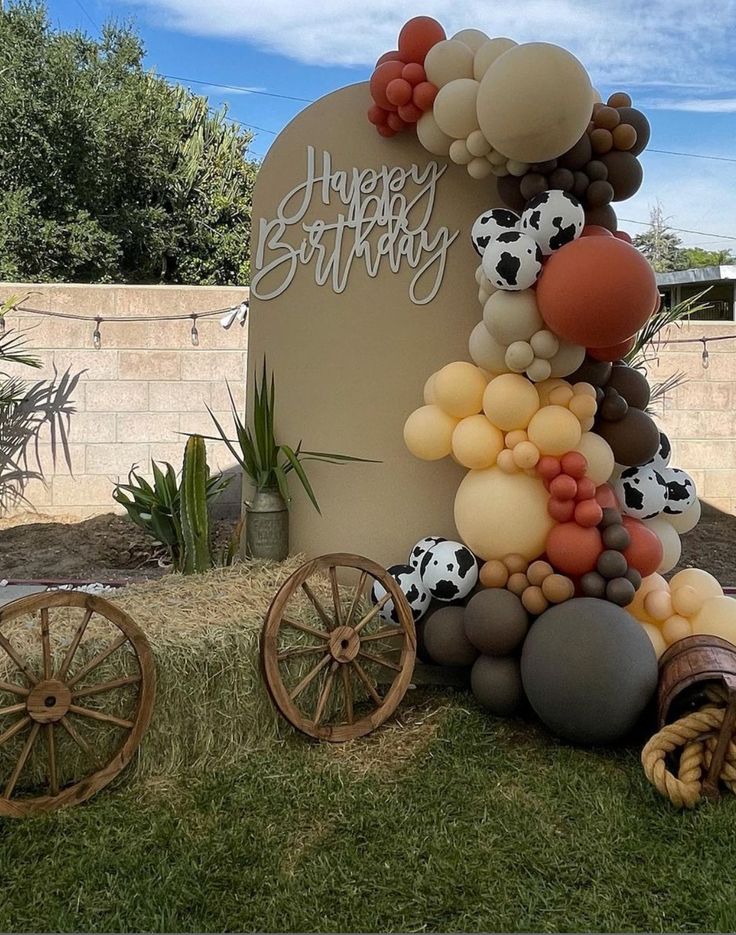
(267, 526)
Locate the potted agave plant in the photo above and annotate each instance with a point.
(268, 465)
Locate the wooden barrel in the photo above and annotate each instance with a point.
(690, 662)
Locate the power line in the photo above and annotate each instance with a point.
(682, 230)
(84, 10)
(671, 152)
(239, 87)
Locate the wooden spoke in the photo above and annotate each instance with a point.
(98, 660)
(348, 692)
(335, 587)
(384, 634)
(373, 612)
(45, 643)
(18, 768)
(100, 716)
(74, 645)
(356, 597)
(380, 661)
(15, 729)
(297, 625)
(106, 686)
(13, 689)
(17, 660)
(79, 740)
(313, 673)
(360, 672)
(299, 651)
(321, 612)
(51, 748)
(325, 693)
(13, 708)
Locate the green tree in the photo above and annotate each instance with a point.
(108, 173)
(660, 245)
(693, 257)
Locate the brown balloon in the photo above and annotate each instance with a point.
(599, 193)
(631, 384)
(624, 137)
(581, 184)
(601, 140)
(562, 179)
(595, 169)
(445, 639)
(604, 216)
(619, 99)
(533, 183)
(495, 621)
(624, 173)
(578, 155)
(634, 439)
(608, 118)
(639, 122)
(595, 372)
(509, 191)
(496, 684)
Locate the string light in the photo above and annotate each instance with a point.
(195, 333)
(2, 326)
(706, 356)
(96, 336)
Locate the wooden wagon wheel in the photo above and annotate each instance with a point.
(337, 693)
(56, 692)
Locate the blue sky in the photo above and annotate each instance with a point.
(675, 57)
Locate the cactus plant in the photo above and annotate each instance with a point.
(195, 525)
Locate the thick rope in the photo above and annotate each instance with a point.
(696, 736)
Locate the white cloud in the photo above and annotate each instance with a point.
(714, 105)
(629, 42)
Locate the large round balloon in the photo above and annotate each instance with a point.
(534, 102)
(454, 108)
(445, 640)
(417, 37)
(633, 439)
(553, 218)
(596, 291)
(589, 670)
(496, 684)
(428, 433)
(496, 621)
(497, 514)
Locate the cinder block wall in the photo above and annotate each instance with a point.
(144, 386)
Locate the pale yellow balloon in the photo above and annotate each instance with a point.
(458, 389)
(653, 582)
(477, 144)
(526, 455)
(538, 370)
(431, 137)
(534, 102)
(476, 443)
(510, 401)
(717, 617)
(479, 168)
(506, 462)
(545, 387)
(454, 108)
(428, 433)
(658, 604)
(472, 38)
(554, 430)
(599, 456)
(676, 628)
(512, 316)
(567, 359)
(584, 389)
(584, 407)
(515, 437)
(487, 54)
(561, 395)
(497, 514)
(703, 582)
(684, 522)
(429, 391)
(448, 60)
(459, 153)
(486, 351)
(655, 637)
(671, 545)
(686, 600)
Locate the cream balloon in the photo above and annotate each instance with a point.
(655, 637)
(538, 370)
(485, 351)
(448, 60)
(459, 153)
(567, 359)
(474, 39)
(676, 628)
(487, 54)
(684, 522)
(477, 144)
(534, 102)
(428, 433)
(497, 514)
(554, 430)
(653, 582)
(702, 582)
(455, 108)
(428, 394)
(717, 617)
(510, 401)
(512, 316)
(479, 168)
(476, 443)
(431, 137)
(599, 456)
(458, 389)
(671, 545)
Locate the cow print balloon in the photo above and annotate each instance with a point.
(449, 571)
(664, 453)
(417, 553)
(490, 224)
(642, 492)
(513, 261)
(681, 492)
(416, 594)
(553, 219)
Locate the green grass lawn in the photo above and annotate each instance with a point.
(452, 821)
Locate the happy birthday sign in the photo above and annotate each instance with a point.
(379, 217)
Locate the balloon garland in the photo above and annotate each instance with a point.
(569, 513)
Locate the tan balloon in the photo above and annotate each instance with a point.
(455, 108)
(458, 389)
(472, 38)
(534, 102)
(510, 401)
(717, 617)
(476, 443)
(486, 351)
(653, 582)
(448, 60)
(428, 433)
(676, 628)
(498, 513)
(512, 316)
(479, 168)
(538, 370)
(599, 456)
(487, 54)
(431, 137)
(459, 153)
(554, 430)
(567, 359)
(477, 144)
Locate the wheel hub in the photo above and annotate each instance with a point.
(344, 644)
(48, 701)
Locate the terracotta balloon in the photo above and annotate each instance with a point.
(614, 352)
(417, 37)
(622, 235)
(593, 230)
(573, 549)
(645, 551)
(596, 291)
(428, 433)
(605, 496)
(534, 102)
(497, 514)
(380, 80)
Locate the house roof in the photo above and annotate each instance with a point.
(701, 274)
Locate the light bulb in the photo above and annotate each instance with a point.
(195, 333)
(96, 336)
(2, 325)
(706, 356)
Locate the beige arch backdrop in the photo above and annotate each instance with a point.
(363, 283)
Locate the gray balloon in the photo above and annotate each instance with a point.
(445, 639)
(496, 621)
(496, 683)
(588, 670)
